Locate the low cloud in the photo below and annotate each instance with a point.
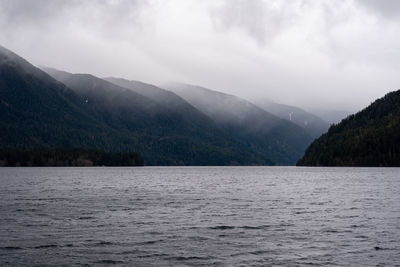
(335, 54)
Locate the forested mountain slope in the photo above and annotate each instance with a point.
(280, 140)
(369, 138)
(163, 135)
(37, 111)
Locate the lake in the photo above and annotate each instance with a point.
(196, 216)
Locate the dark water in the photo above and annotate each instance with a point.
(227, 216)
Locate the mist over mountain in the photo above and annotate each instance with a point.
(370, 137)
(178, 124)
(168, 99)
(37, 111)
(313, 125)
(165, 134)
(331, 116)
(347, 50)
(279, 139)
(102, 96)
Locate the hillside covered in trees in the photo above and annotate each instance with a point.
(13, 157)
(37, 111)
(369, 138)
(281, 140)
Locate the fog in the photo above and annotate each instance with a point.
(313, 54)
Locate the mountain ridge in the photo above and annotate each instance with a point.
(155, 126)
(314, 125)
(283, 141)
(370, 137)
(37, 111)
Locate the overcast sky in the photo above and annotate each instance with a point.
(337, 54)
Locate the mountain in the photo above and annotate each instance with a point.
(164, 133)
(167, 99)
(313, 125)
(38, 111)
(371, 137)
(153, 92)
(278, 139)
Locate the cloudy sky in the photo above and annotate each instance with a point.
(336, 54)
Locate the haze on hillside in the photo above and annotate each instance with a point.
(337, 55)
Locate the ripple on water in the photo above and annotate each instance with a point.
(107, 261)
(193, 216)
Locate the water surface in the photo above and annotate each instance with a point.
(194, 216)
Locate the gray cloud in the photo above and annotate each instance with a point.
(106, 15)
(21, 12)
(264, 20)
(390, 8)
(257, 18)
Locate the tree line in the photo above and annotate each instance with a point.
(37, 157)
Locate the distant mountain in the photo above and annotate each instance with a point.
(167, 132)
(278, 139)
(331, 116)
(313, 125)
(371, 137)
